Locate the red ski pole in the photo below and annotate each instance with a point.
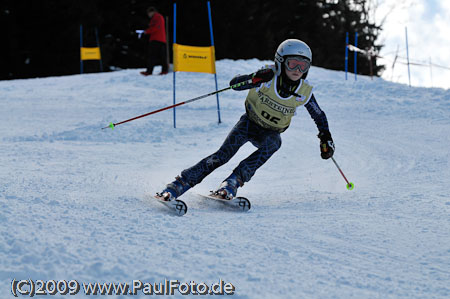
(112, 125)
(350, 185)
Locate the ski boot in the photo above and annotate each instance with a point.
(174, 189)
(228, 188)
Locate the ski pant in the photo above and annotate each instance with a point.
(157, 55)
(267, 142)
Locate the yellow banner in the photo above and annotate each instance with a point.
(90, 53)
(194, 59)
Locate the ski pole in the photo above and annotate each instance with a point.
(350, 185)
(112, 125)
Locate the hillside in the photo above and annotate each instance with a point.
(75, 199)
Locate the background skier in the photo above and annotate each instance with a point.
(275, 93)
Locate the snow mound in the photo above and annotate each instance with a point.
(75, 200)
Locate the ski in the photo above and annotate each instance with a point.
(238, 202)
(178, 206)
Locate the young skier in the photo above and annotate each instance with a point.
(275, 93)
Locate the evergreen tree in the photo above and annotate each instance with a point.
(42, 37)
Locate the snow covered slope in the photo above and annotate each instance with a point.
(74, 199)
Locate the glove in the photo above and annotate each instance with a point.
(326, 144)
(261, 76)
(244, 80)
(252, 80)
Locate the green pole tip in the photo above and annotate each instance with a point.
(350, 186)
(111, 125)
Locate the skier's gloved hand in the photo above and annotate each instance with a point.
(326, 144)
(244, 80)
(261, 76)
(252, 80)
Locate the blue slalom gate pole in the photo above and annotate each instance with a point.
(212, 44)
(356, 45)
(346, 55)
(174, 72)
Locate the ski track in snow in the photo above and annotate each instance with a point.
(76, 200)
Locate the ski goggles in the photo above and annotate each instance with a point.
(297, 63)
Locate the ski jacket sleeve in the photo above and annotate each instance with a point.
(317, 114)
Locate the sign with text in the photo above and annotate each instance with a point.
(194, 59)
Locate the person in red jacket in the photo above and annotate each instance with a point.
(156, 31)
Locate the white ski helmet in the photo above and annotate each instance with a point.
(291, 47)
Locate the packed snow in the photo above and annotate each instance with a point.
(76, 201)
